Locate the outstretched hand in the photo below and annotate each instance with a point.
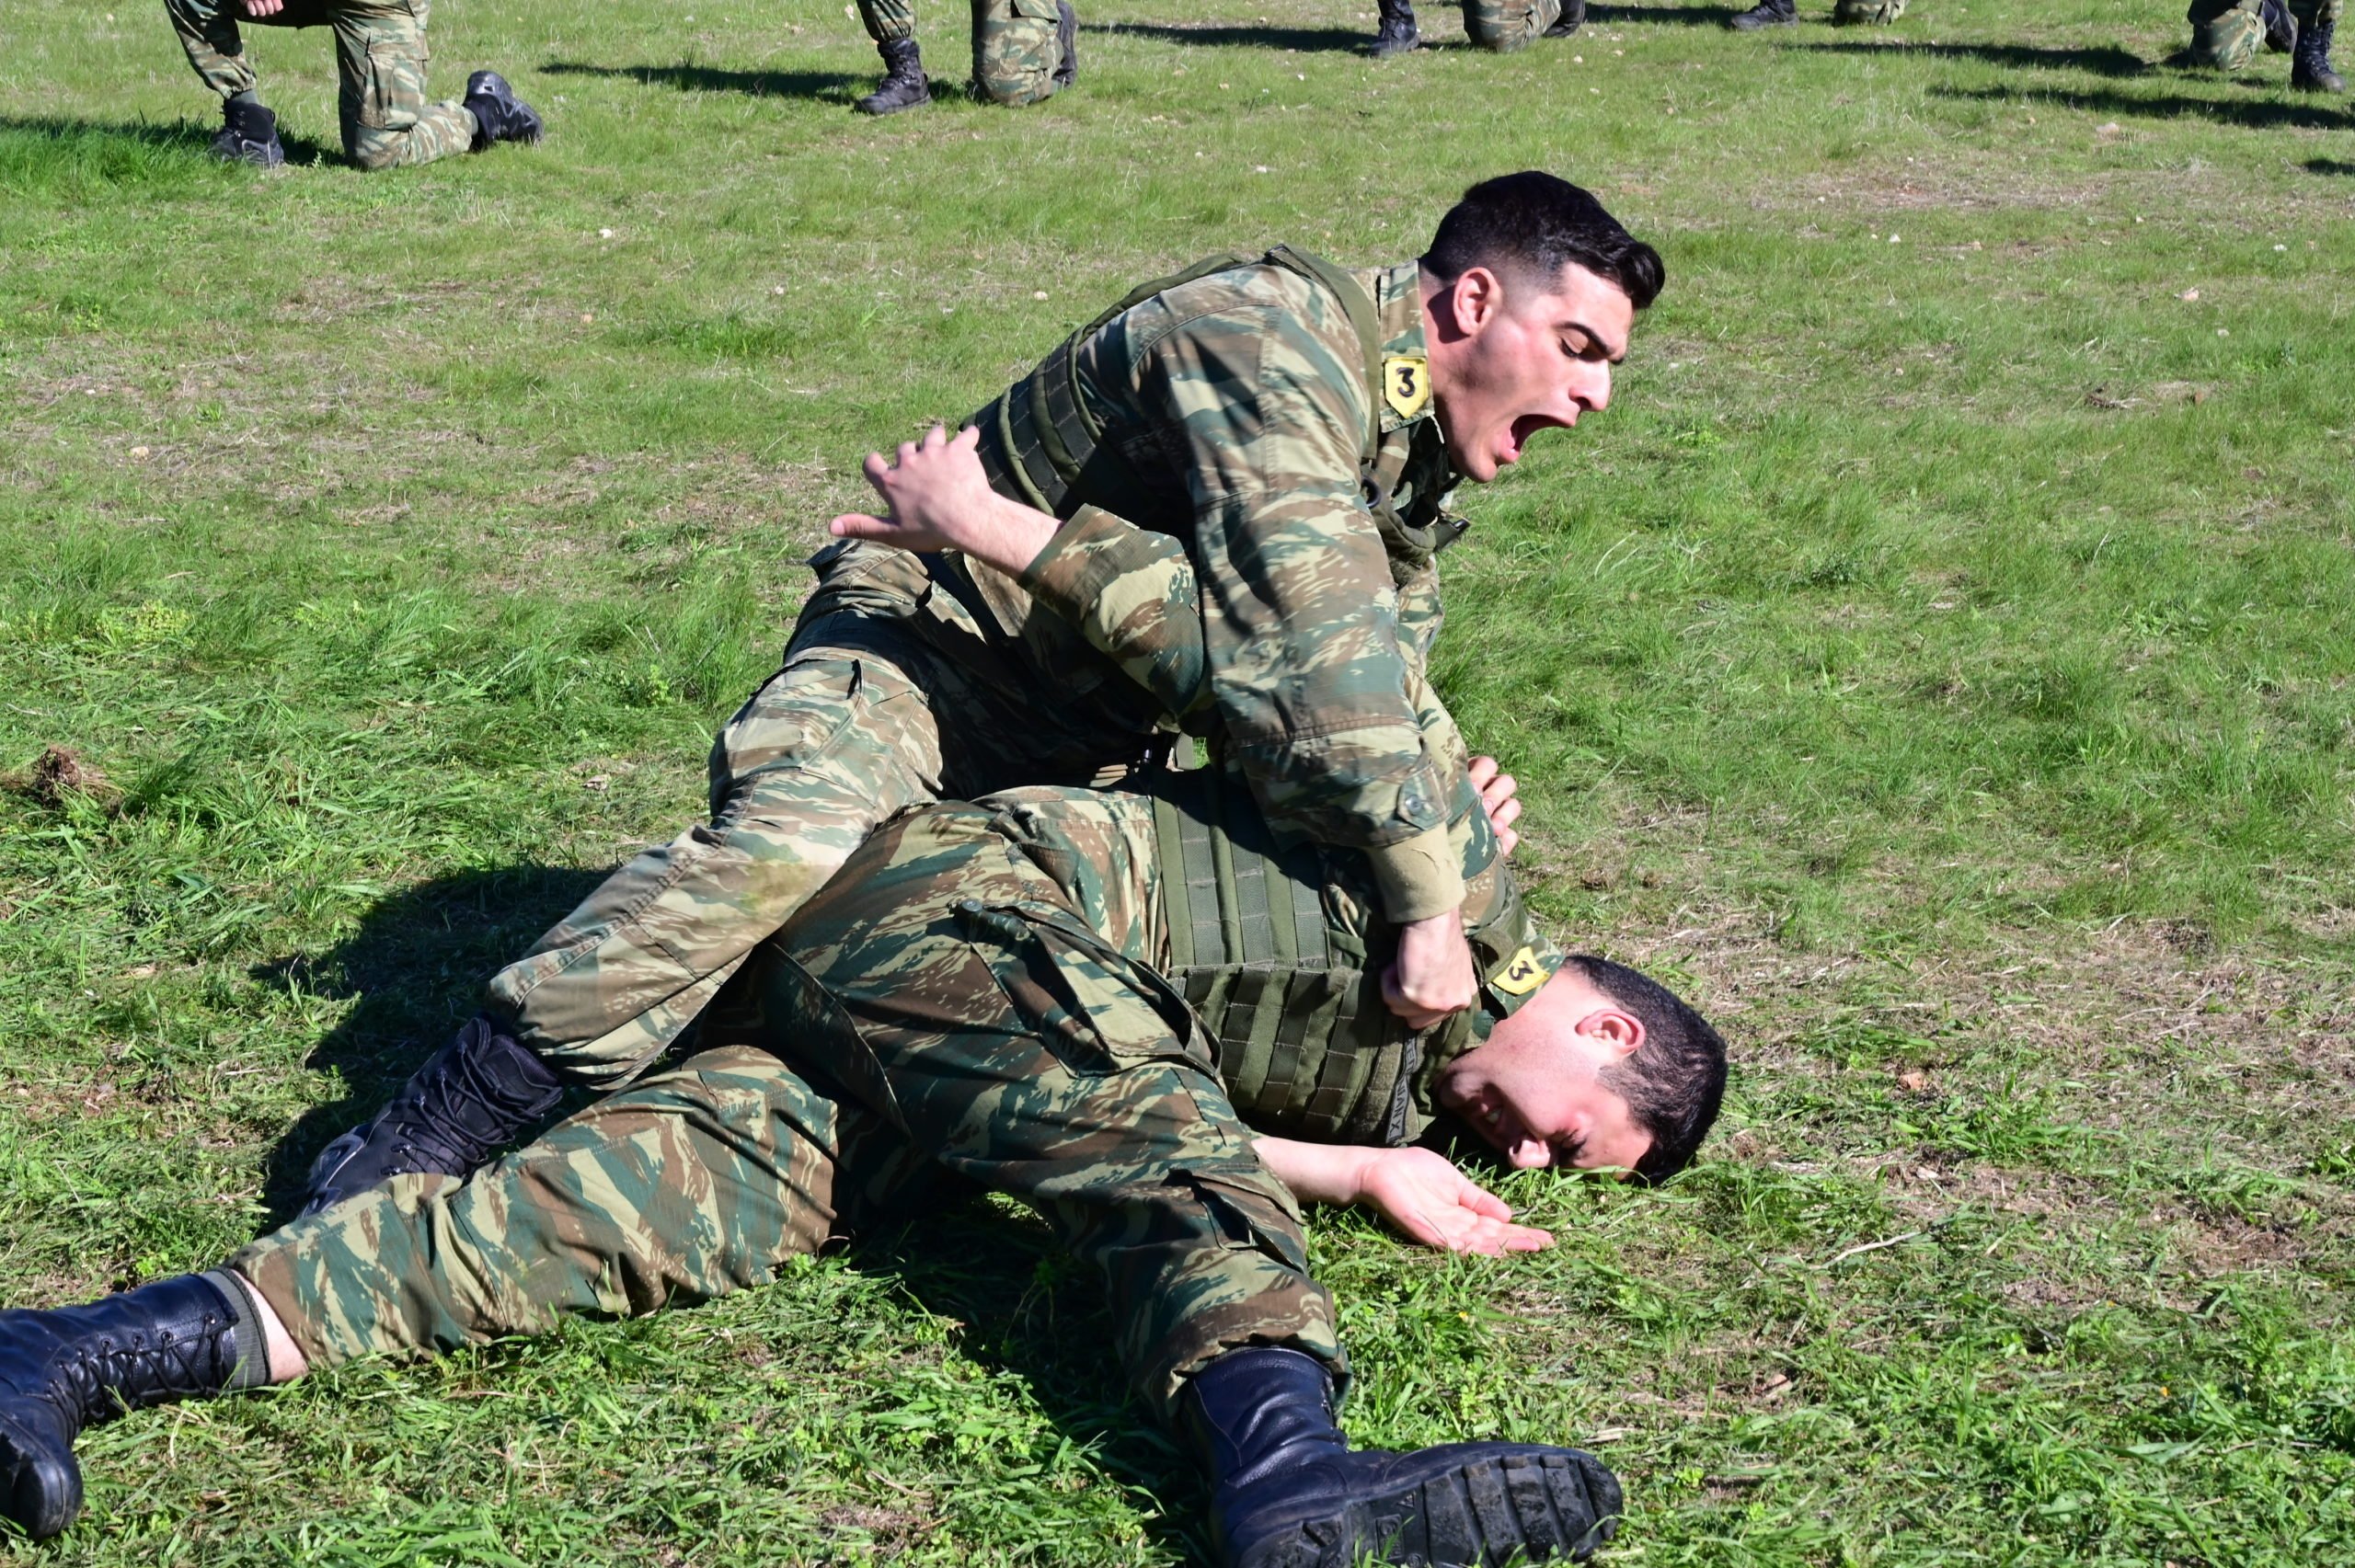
(1427, 1198)
(939, 498)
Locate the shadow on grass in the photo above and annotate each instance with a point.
(1663, 16)
(2328, 166)
(1028, 1308)
(414, 971)
(2256, 115)
(39, 151)
(830, 84)
(2107, 61)
(1302, 40)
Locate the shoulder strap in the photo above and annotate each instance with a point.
(1359, 306)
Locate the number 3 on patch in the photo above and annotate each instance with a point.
(1406, 385)
(1521, 977)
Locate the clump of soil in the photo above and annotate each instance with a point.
(60, 773)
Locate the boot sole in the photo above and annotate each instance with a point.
(1460, 1509)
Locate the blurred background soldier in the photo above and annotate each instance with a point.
(1498, 25)
(1844, 14)
(2226, 35)
(379, 69)
(1023, 50)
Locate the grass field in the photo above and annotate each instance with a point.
(1938, 657)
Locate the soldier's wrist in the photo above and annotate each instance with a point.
(1419, 878)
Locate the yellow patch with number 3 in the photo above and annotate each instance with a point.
(1521, 977)
(1406, 385)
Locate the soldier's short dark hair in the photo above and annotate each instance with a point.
(1673, 1081)
(1534, 220)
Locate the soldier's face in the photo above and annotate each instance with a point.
(1512, 354)
(1534, 1088)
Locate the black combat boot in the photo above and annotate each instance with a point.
(1066, 39)
(1396, 34)
(500, 115)
(904, 86)
(2280, 28)
(1573, 16)
(1765, 14)
(474, 1097)
(75, 1367)
(2310, 67)
(1289, 1493)
(248, 135)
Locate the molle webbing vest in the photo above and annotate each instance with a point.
(1305, 1047)
(1039, 444)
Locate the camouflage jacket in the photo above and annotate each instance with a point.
(1266, 606)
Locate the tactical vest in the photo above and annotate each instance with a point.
(1041, 445)
(1306, 1047)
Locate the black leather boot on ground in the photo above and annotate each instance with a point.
(74, 1366)
(1396, 34)
(1067, 39)
(473, 1098)
(904, 86)
(500, 115)
(1287, 1491)
(248, 135)
(2310, 66)
(1573, 16)
(1765, 14)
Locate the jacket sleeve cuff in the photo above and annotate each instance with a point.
(1419, 878)
(1087, 555)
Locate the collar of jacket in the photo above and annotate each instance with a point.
(1397, 294)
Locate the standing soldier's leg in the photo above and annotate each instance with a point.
(1023, 50)
(892, 24)
(1502, 27)
(208, 30)
(387, 122)
(2310, 67)
(835, 742)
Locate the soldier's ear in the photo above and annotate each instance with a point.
(1619, 1032)
(1474, 298)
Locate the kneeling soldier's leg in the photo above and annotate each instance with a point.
(1020, 49)
(1503, 26)
(380, 57)
(693, 1183)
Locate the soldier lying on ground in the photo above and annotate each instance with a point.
(1132, 1012)
(1288, 434)
(379, 69)
(1024, 51)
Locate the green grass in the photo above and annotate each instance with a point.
(1938, 660)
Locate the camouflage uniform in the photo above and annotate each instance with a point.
(1502, 27)
(2227, 34)
(379, 69)
(1016, 51)
(977, 998)
(1240, 399)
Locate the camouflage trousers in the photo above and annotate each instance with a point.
(380, 72)
(1866, 13)
(1016, 51)
(868, 718)
(937, 1015)
(2227, 34)
(1502, 27)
